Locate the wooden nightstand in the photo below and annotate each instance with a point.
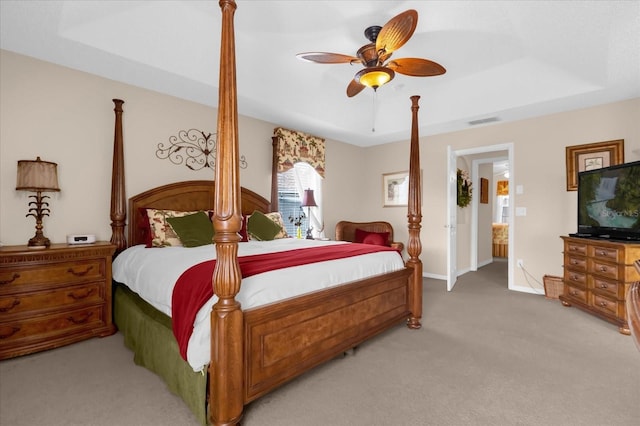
(53, 297)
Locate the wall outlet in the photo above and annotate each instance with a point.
(520, 263)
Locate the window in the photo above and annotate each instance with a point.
(291, 186)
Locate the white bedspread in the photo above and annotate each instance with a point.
(153, 272)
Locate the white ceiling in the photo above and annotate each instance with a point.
(504, 59)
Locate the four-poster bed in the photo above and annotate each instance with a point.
(253, 351)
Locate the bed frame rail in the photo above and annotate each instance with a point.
(285, 341)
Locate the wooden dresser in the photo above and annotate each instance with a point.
(597, 276)
(53, 297)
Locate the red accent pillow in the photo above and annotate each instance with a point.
(145, 228)
(368, 237)
(243, 230)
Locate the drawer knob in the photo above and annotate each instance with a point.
(81, 273)
(15, 303)
(602, 304)
(10, 280)
(573, 293)
(603, 285)
(13, 331)
(76, 296)
(603, 269)
(82, 320)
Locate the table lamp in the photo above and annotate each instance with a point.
(308, 201)
(38, 176)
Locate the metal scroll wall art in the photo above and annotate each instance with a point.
(195, 148)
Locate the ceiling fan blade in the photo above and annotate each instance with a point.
(327, 58)
(354, 88)
(416, 67)
(397, 31)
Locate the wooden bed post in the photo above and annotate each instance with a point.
(118, 197)
(226, 384)
(414, 215)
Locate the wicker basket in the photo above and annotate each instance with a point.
(553, 286)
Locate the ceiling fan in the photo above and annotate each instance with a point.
(378, 69)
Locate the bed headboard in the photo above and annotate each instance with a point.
(185, 196)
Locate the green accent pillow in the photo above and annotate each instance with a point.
(193, 230)
(261, 227)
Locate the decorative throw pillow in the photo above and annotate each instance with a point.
(368, 237)
(277, 218)
(162, 234)
(243, 230)
(261, 227)
(194, 230)
(144, 227)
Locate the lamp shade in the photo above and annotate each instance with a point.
(37, 175)
(375, 76)
(308, 199)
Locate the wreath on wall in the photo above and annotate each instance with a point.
(464, 188)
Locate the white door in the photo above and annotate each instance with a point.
(452, 211)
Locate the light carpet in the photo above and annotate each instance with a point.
(485, 356)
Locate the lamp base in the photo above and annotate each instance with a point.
(38, 242)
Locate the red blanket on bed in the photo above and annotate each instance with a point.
(194, 287)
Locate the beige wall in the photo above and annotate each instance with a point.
(66, 116)
(539, 166)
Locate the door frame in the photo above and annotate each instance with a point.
(452, 245)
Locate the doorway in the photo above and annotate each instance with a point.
(488, 153)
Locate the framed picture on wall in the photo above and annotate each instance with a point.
(395, 189)
(592, 156)
(484, 191)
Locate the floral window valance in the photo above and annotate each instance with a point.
(295, 147)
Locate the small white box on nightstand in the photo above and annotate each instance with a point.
(81, 239)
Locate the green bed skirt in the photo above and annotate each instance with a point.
(147, 332)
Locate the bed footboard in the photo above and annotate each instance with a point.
(284, 340)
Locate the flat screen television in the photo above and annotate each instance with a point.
(609, 202)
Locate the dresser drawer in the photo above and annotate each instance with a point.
(53, 299)
(576, 263)
(611, 288)
(21, 278)
(576, 248)
(612, 254)
(608, 306)
(50, 326)
(575, 277)
(604, 269)
(576, 293)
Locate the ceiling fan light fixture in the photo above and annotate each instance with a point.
(375, 76)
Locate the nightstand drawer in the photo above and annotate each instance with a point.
(50, 326)
(54, 299)
(50, 274)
